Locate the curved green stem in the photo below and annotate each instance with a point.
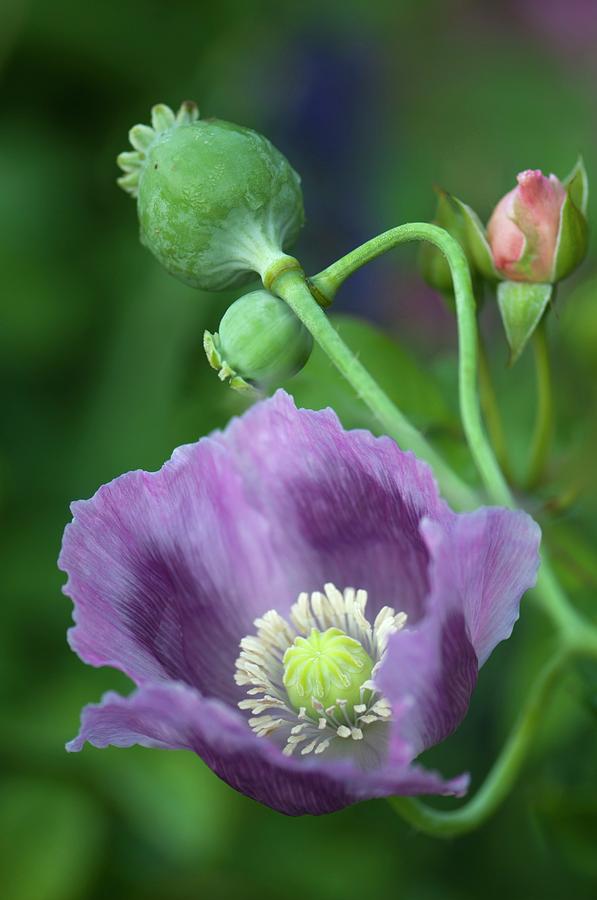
(328, 281)
(544, 420)
(292, 287)
(507, 767)
(500, 778)
(577, 635)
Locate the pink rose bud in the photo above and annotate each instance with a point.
(524, 228)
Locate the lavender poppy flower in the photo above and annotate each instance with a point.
(187, 580)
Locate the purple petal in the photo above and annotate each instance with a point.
(175, 716)
(481, 565)
(168, 570)
(433, 667)
(492, 560)
(164, 572)
(348, 504)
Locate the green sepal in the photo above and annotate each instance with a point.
(577, 186)
(572, 242)
(211, 345)
(522, 304)
(243, 387)
(477, 245)
(212, 350)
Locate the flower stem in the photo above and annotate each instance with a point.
(544, 420)
(328, 281)
(501, 777)
(580, 642)
(490, 409)
(507, 767)
(292, 287)
(578, 636)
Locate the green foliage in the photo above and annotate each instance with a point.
(51, 840)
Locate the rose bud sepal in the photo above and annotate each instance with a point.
(522, 305)
(577, 186)
(479, 251)
(573, 231)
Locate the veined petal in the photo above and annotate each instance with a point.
(168, 570)
(481, 565)
(348, 504)
(489, 559)
(174, 716)
(433, 667)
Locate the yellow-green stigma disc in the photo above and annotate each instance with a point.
(326, 666)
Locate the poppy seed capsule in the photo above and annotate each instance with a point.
(330, 666)
(260, 342)
(217, 202)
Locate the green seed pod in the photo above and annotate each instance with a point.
(260, 342)
(216, 202)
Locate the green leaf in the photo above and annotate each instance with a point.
(577, 185)
(477, 246)
(409, 384)
(521, 305)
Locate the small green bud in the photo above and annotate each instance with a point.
(326, 666)
(464, 225)
(260, 342)
(432, 262)
(217, 202)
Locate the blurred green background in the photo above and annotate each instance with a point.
(102, 370)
